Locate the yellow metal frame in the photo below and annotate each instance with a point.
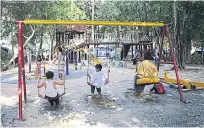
(109, 23)
(186, 83)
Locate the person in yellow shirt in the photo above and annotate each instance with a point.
(145, 69)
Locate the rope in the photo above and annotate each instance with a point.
(88, 67)
(41, 96)
(64, 84)
(88, 57)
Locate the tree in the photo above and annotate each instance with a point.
(14, 11)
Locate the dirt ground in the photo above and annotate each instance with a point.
(117, 108)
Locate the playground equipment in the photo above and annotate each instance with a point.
(72, 48)
(69, 37)
(187, 83)
(31, 76)
(21, 69)
(147, 81)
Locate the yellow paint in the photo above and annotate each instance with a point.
(109, 23)
(147, 81)
(169, 80)
(73, 47)
(96, 61)
(182, 81)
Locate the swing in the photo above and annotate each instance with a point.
(60, 95)
(147, 81)
(88, 81)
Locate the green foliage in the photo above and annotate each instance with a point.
(5, 57)
(153, 11)
(15, 11)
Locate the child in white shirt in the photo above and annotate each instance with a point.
(98, 79)
(50, 88)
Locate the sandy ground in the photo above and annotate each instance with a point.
(117, 108)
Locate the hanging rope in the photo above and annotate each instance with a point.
(88, 57)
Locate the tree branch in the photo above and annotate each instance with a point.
(31, 28)
(30, 37)
(25, 36)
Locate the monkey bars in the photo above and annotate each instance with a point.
(21, 67)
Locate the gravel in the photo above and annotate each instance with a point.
(79, 110)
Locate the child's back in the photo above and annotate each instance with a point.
(50, 90)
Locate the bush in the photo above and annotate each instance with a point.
(5, 57)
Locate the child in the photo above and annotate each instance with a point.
(145, 69)
(38, 66)
(98, 79)
(50, 88)
(61, 62)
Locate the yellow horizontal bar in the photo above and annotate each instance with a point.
(109, 23)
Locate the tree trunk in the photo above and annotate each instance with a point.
(1, 5)
(118, 33)
(51, 46)
(189, 46)
(187, 41)
(202, 50)
(146, 18)
(41, 39)
(179, 44)
(13, 53)
(184, 38)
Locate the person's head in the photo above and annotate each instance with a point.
(148, 56)
(49, 75)
(60, 49)
(98, 67)
(39, 59)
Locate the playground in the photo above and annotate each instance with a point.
(118, 108)
(70, 67)
(179, 105)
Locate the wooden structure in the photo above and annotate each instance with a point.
(71, 35)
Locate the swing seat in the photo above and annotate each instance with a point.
(43, 96)
(146, 81)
